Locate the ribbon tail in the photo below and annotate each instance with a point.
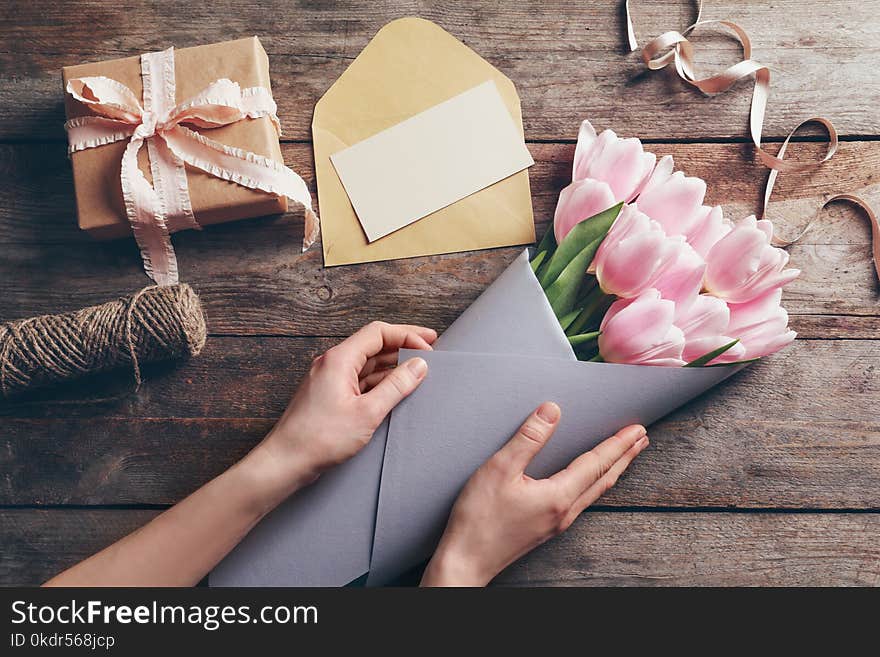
(312, 230)
(244, 168)
(872, 217)
(92, 131)
(147, 223)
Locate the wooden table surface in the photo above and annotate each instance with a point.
(773, 478)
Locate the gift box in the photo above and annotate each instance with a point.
(96, 171)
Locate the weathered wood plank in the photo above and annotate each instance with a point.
(799, 430)
(567, 59)
(601, 549)
(36, 199)
(707, 549)
(49, 266)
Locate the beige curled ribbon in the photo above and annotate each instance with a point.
(163, 207)
(673, 47)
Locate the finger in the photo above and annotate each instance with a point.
(589, 467)
(395, 385)
(379, 362)
(534, 433)
(377, 337)
(607, 481)
(429, 335)
(372, 380)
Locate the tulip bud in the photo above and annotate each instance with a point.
(744, 265)
(761, 325)
(672, 199)
(704, 321)
(640, 332)
(581, 200)
(708, 229)
(620, 163)
(634, 254)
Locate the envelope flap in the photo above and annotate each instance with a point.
(409, 66)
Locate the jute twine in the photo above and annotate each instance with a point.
(157, 323)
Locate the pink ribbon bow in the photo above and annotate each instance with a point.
(164, 207)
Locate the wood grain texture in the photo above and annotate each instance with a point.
(253, 280)
(795, 433)
(601, 549)
(568, 60)
(707, 549)
(799, 430)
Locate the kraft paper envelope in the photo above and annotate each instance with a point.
(409, 66)
(469, 405)
(431, 160)
(323, 535)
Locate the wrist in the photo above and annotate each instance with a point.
(275, 474)
(451, 568)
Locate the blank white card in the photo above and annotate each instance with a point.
(431, 160)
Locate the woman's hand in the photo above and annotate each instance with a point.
(333, 414)
(346, 395)
(502, 513)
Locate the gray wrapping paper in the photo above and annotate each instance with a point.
(384, 510)
(322, 536)
(469, 405)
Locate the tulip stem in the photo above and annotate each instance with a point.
(584, 339)
(588, 288)
(595, 300)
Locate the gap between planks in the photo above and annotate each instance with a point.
(596, 508)
(775, 139)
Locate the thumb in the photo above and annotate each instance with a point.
(529, 439)
(396, 385)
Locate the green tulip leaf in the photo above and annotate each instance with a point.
(563, 292)
(566, 321)
(537, 260)
(594, 304)
(712, 355)
(739, 362)
(578, 238)
(544, 250)
(583, 338)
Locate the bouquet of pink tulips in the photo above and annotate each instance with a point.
(639, 271)
(636, 271)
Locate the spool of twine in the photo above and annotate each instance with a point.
(157, 323)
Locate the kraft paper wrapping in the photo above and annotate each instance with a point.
(96, 171)
(409, 66)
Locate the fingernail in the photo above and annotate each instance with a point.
(643, 443)
(641, 430)
(549, 412)
(417, 366)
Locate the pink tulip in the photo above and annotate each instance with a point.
(580, 200)
(761, 325)
(620, 163)
(640, 332)
(744, 265)
(683, 279)
(672, 199)
(634, 254)
(709, 227)
(704, 321)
